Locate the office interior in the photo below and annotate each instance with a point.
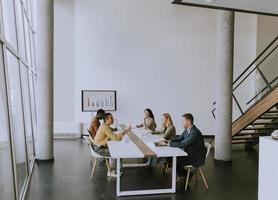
(214, 59)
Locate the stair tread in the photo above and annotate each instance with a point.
(268, 117)
(237, 137)
(259, 128)
(263, 123)
(243, 141)
(250, 133)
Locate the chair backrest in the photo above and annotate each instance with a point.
(90, 141)
(90, 133)
(208, 146)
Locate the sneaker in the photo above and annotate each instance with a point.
(113, 173)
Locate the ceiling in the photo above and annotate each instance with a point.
(267, 7)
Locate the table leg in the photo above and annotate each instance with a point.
(146, 192)
(118, 176)
(174, 174)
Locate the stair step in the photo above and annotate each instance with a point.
(251, 132)
(239, 137)
(265, 123)
(269, 117)
(244, 141)
(259, 128)
(272, 112)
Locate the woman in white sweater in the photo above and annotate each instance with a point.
(149, 121)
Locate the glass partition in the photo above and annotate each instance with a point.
(18, 120)
(21, 32)
(18, 128)
(6, 167)
(27, 115)
(259, 78)
(9, 22)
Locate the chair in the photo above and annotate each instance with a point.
(96, 156)
(194, 170)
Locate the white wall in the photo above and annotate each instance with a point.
(154, 54)
(64, 78)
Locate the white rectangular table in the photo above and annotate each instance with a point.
(126, 148)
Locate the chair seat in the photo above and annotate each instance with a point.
(195, 170)
(96, 155)
(189, 167)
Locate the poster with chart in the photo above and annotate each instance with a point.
(92, 100)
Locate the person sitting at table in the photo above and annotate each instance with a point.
(168, 130)
(149, 121)
(103, 135)
(192, 142)
(95, 123)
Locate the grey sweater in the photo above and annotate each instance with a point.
(168, 132)
(148, 123)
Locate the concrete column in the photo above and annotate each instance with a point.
(224, 76)
(44, 142)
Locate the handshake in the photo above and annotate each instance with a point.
(126, 129)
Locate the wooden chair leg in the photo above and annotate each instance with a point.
(187, 179)
(90, 161)
(107, 165)
(166, 168)
(196, 176)
(204, 179)
(93, 169)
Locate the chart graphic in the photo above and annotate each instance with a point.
(92, 100)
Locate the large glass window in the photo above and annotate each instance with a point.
(32, 45)
(9, 22)
(17, 95)
(21, 35)
(6, 168)
(33, 104)
(29, 9)
(27, 41)
(27, 111)
(1, 19)
(18, 128)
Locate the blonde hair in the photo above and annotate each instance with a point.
(169, 120)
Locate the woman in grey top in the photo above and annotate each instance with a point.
(149, 121)
(168, 130)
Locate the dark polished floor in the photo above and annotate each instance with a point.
(68, 178)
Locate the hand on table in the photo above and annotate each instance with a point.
(161, 143)
(150, 131)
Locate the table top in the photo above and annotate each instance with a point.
(126, 148)
(268, 138)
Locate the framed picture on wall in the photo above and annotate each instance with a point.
(92, 100)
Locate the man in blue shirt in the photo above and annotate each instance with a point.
(192, 142)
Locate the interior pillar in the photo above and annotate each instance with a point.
(224, 76)
(44, 53)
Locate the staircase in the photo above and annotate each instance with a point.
(256, 114)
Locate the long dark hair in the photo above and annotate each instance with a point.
(150, 113)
